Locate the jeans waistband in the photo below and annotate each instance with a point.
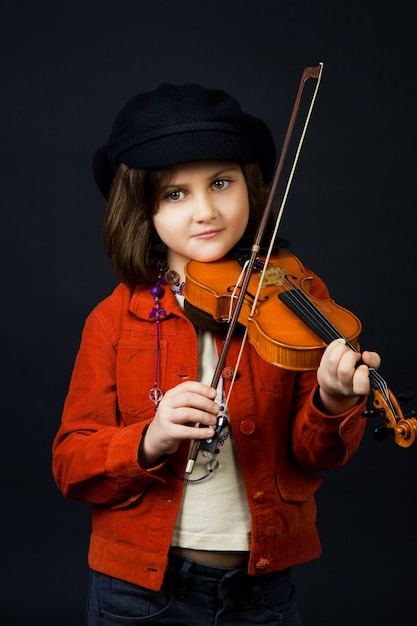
(179, 563)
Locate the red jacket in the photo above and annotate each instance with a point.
(282, 440)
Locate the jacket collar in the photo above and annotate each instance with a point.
(142, 302)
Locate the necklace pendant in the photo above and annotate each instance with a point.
(213, 462)
(156, 394)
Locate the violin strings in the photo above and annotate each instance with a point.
(311, 314)
(377, 382)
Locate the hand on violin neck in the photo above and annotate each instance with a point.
(343, 376)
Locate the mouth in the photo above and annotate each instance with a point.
(207, 234)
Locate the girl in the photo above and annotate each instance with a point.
(185, 173)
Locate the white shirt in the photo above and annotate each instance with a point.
(214, 513)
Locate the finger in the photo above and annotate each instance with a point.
(192, 386)
(336, 348)
(195, 416)
(371, 359)
(360, 383)
(339, 360)
(190, 430)
(189, 389)
(186, 406)
(347, 365)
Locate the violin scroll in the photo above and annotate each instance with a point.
(402, 428)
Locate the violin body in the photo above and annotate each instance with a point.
(276, 332)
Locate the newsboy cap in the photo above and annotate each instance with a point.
(176, 124)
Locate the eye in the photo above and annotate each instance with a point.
(221, 183)
(175, 195)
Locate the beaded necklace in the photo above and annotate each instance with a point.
(166, 276)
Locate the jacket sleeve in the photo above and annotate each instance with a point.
(94, 455)
(321, 441)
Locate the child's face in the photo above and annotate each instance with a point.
(203, 211)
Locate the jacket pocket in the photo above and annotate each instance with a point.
(297, 485)
(137, 369)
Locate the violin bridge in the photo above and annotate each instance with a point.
(273, 276)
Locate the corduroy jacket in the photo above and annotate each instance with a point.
(283, 441)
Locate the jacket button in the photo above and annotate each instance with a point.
(259, 496)
(263, 563)
(228, 373)
(247, 427)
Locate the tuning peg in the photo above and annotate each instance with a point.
(382, 432)
(373, 412)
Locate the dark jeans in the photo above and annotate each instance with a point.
(195, 595)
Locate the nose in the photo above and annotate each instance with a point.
(205, 209)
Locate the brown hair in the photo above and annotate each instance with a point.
(131, 241)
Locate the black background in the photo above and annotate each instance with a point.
(67, 68)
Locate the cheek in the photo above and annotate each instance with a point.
(169, 228)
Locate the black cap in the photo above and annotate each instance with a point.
(176, 124)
